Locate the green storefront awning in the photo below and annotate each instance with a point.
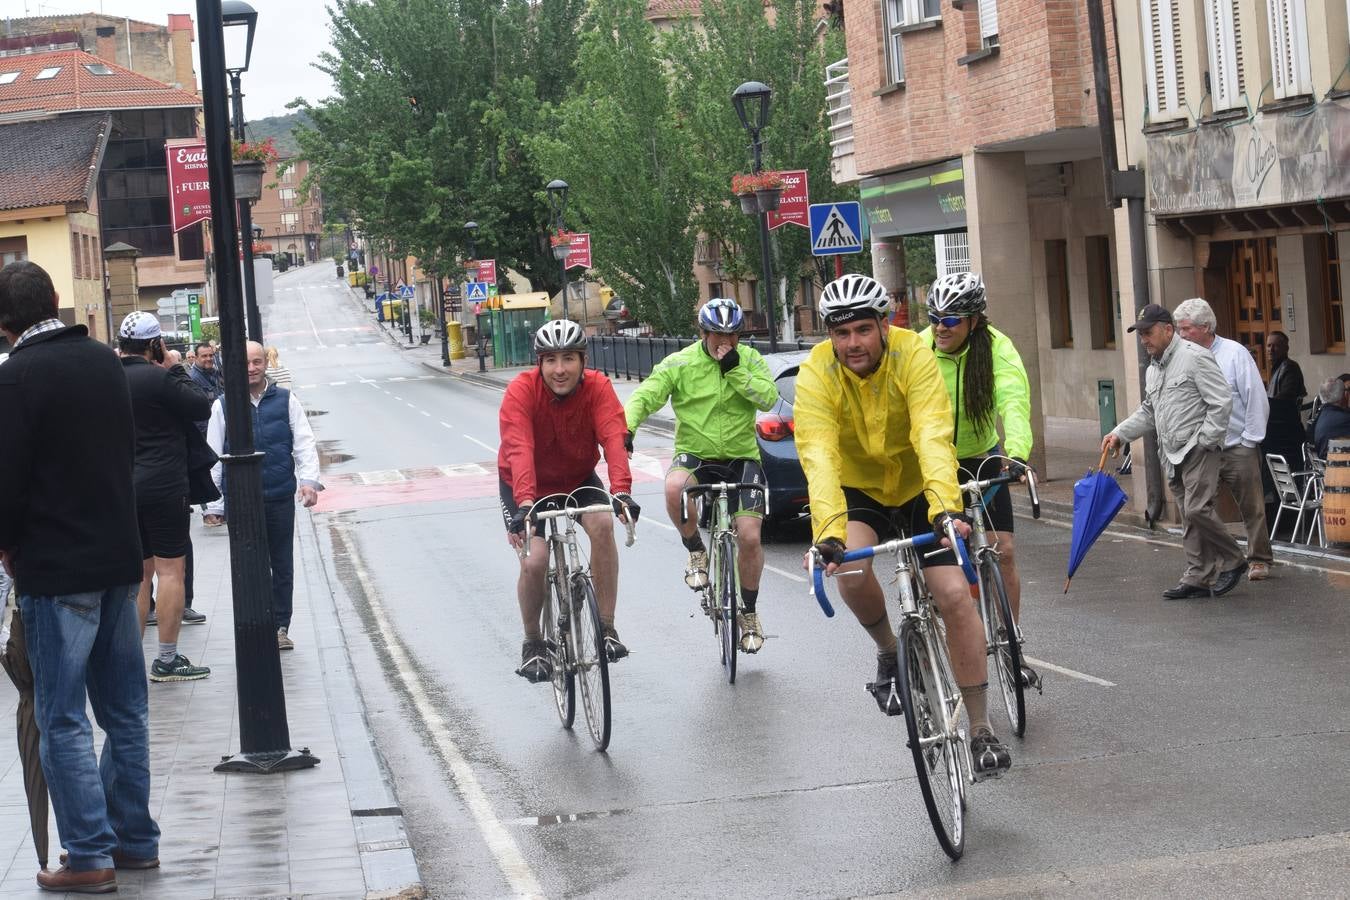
(926, 200)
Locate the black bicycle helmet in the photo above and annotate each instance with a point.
(957, 294)
(851, 297)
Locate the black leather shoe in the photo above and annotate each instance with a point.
(1184, 591)
(1229, 580)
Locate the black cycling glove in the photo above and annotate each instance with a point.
(831, 550)
(730, 361)
(517, 525)
(626, 501)
(628, 442)
(1018, 467)
(940, 523)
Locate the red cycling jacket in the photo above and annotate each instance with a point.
(552, 444)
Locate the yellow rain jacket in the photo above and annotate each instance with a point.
(888, 435)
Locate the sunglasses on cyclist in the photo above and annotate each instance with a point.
(946, 321)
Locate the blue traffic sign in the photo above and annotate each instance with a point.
(836, 228)
(476, 291)
(405, 291)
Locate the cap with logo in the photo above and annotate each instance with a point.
(1151, 315)
(139, 326)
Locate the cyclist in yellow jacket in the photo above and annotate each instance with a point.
(873, 427)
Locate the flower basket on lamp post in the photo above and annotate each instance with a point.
(248, 179)
(759, 192)
(749, 204)
(562, 244)
(768, 198)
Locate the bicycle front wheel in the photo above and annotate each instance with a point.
(591, 662)
(935, 751)
(726, 598)
(556, 634)
(1001, 633)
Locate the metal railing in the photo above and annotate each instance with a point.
(622, 356)
(839, 107)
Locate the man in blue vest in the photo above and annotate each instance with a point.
(290, 470)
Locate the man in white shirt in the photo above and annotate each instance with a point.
(290, 469)
(1240, 461)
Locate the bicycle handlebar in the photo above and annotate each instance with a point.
(714, 487)
(976, 487)
(576, 512)
(919, 540)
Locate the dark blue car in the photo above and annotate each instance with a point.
(777, 442)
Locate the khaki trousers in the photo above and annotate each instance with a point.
(1240, 471)
(1209, 547)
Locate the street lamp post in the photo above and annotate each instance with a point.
(557, 202)
(240, 20)
(264, 735)
(751, 100)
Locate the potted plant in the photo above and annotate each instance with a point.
(758, 192)
(250, 162)
(429, 323)
(562, 243)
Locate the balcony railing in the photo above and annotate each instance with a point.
(839, 106)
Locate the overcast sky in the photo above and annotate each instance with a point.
(291, 35)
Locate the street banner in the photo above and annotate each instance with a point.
(482, 270)
(189, 188)
(793, 206)
(579, 252)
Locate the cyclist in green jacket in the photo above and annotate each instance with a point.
(987, 385)
(715, 386)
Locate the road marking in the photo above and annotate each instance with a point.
(409, 405)
(395, 396)
(1072, 673)
(447, 425)
(800, 579)
(425, 413)
(481, 444)
(510, 861)
(398, 378)
(336, 383)
(312, 327)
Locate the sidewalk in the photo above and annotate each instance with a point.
(333, 831)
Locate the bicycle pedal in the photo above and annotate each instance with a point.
(887, 698)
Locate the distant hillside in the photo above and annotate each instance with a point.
(279, 128)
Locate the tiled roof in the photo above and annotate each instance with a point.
(673, 9)
(51, 161)
(75, 87)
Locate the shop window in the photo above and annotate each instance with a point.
(1290, 68)
(1224, 33)
(1162, 53)
(1057, 290)
(1101, 294)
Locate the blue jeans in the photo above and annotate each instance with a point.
(79, 642)
(280, 517)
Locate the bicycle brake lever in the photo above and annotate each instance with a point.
(632, 533)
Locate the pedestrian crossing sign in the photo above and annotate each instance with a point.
(836, 228)
(476, 291)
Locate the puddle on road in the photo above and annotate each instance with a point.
(331, 454)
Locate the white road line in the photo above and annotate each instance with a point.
(336, 383)
(447, 425)
(1072, 673)
(409, 405)
(793, 576)
(665, 525)
(312, 327)
(307, 387)
(425, 413)
(395, 396)
(503, 847)
(398, 378)
(481, 444)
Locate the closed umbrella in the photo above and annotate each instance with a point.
(14, 659)
(1096, 500)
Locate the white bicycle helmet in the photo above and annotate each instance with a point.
(559, 336)
(721, 315)
(852, 297)
(957, 294)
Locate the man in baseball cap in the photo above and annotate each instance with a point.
(1150, 315)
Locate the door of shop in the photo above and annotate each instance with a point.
(1254, 295)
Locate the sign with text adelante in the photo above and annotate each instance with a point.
(482, 270)
(795, 204)
(189, 188)
(579, 252)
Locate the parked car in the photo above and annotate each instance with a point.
(775, 433)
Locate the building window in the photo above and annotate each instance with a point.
(76, 256)
(289, 221)
(46, 74)
(9, 77)
(1333, 305)
(1290, 69)
(1224, 33)
(191, 243)
(1162, 53)
(1057, 289)
(13, 250)
(1101, 295)
(288, 174)
(287, 196)
(97, 69)
(714, 290)
(898, 14)
(988, 23)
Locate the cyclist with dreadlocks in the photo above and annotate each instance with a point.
(874, 436)
(714, 387)
(987, 385)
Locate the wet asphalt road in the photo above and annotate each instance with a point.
(1188, 748)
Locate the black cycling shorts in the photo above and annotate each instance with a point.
(164, 528)
(998, 508)
(890, 522)
(743, 471)
(588, 493)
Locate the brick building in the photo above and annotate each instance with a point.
(161, 52)
(291, 219)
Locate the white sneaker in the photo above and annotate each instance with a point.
(696, 575)
(752, 635)
(284, 641)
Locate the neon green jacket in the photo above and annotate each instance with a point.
(1012, 399)
(714, 413)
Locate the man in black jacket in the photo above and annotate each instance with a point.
(68, 534)
(165, 403)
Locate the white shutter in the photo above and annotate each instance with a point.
(1290, 69)
(989, 22)
(951, 252)
(1162, 45)
(1225, 73)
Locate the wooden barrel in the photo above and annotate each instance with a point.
(1336, 494)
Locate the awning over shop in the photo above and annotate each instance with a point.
(926, 200)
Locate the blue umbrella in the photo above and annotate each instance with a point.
(1096, 500)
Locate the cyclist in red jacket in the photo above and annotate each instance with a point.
(554, 421)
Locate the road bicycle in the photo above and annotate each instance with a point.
(1003, 635)
(927, 688)
(571, 618)
(721, 598)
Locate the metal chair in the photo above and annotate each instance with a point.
(1305, 498)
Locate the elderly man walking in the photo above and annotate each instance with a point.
(68, 534)
(1240, 460)
(1187, 404)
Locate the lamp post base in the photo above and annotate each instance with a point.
(268, 763)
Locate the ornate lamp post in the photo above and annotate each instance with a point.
(264, 735)
(240, 20)
(751, 100)
(557, 202)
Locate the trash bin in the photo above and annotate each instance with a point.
(456, 340)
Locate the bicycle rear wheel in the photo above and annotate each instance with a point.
(559, 642)
(591, 662)
(923, 696)
(726, 600)
(1001, 633)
